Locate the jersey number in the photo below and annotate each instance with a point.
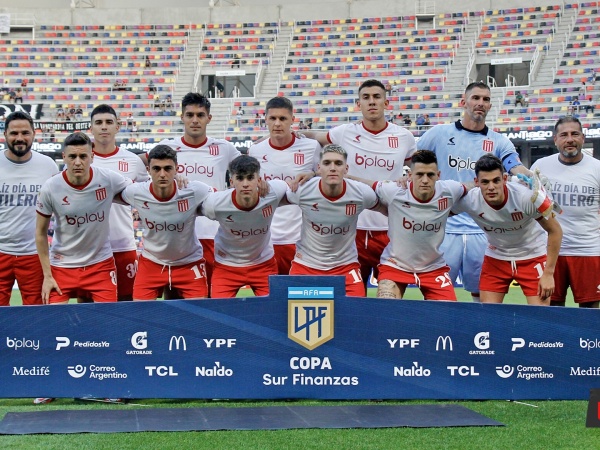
(540, 269)
(199, 271)
(355, 274)
(131, 269)
(444, 280)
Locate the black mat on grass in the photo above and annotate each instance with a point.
(262, 418)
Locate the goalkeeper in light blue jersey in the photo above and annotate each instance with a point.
(458, 146)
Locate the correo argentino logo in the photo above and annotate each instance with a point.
(310, 319)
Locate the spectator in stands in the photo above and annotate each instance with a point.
(169, 103)
(519, 100)
(152, 89)
(79, 114)
(576, 104)
(130, 122)
(302, 125)
(407, 121)
(134, 130)
(570, 109)
(583, 90)
(388, 88)
(588, 105)
(5, 87)
(427, 122)
(24, 85)
(526, 99)
(18, 96)
(236, 61)
(220, 89)
(420, 122)
(157, 101)
(238, 116)
(117, 85)
(147, 63)
(71, 113)
(12, 95)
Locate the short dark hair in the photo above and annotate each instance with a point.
(488, 163)
(371, 83)
(333, 148)
(193, 98)
(423, 157)
(280, 102)
(476, 84)
(18, 115)
(162, 152)
(103, 109)
(77, 138)
(567, 119)
(244, 165)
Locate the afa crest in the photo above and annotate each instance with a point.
(310, 322)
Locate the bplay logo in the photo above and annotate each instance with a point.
(16, 343)
(589, 344)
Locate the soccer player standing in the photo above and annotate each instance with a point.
(417, 218)
(172, 255)
(518, 248)
(330, 208)
(202, 158)
(80, 260)
(458, 146)
(575, 179)
(243, 250)
(23, 173)
(377, 150)
(105, 126)
(283, 157)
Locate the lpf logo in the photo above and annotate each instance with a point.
(310, 319)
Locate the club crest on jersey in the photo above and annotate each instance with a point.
(183, 205)
(393, 141)
(213, 150)
(298, 159)
(100, 194)
(267, 211)
(442, 204)
(123, 166)
(516, 216)
(488, 146)
(351, 209)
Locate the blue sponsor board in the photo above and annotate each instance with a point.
(279, 347)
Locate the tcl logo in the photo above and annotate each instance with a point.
(463, 371)
(161, 371)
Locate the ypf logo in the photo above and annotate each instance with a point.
(76, 371)
(139, 340)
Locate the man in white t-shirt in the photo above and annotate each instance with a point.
(105, 126)
(575, 179)
(330, 207)
(243, 250)
(377, 150)
(80, 260)
(201, 158)
(518, 248)
(23, 173)
(417, 218)
(283, 157)
(172, 254)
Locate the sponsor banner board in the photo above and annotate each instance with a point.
(305, 340)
